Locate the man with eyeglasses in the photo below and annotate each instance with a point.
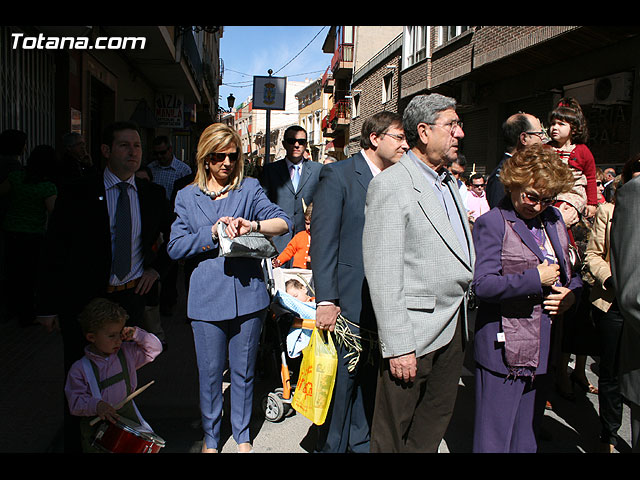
(418, 261)
(477, 199)
(338, 273)
(519, 131)
(291, 182)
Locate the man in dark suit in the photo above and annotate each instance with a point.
(83, 245)
(336, 259)
(519, 131)
(291, 182)
(82, 235)
(625, 259)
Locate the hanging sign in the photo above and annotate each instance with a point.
(269, 93)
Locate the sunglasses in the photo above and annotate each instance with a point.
(292, 141)
(534, 200)
(216, 157)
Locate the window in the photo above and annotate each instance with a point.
(355, 107)
(415, 45)
(387, 87)
(449, 33)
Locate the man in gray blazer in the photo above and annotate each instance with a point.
(625, 269)
(418, 261)
(291, 182)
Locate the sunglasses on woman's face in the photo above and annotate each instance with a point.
(219, 156)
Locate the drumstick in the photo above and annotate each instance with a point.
(119, 405)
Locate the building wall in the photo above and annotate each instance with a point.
(371, 86)
(495, 71)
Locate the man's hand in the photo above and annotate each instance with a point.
(326, 316)
(50, 322)
(149, 276)
(404, 367)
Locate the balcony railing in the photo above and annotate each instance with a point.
(344, 53)
(327, 80)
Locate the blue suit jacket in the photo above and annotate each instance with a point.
(336, 238)
(276, 182)
(220, 288)
(493, 288)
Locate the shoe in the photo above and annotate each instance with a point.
(247, 451)
(584, 385)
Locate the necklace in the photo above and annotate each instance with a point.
(214, 195)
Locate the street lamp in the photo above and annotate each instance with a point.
(230, 101)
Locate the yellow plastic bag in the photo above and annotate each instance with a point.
(314, 389)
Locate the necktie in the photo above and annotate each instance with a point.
(122, 247)
(296, 177)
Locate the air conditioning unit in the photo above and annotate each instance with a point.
(613, 89)
(609, 90)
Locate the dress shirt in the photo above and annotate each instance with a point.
(374, 169)
(112, 191)
(477, 204)
(167, 176)
(442, 184)
(290, 166)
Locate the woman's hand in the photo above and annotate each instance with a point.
(559, 301)
(238, 226)
(549, 273)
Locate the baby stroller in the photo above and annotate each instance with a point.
(287, 330)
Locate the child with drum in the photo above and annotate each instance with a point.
(106, 375)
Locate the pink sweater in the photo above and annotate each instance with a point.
(143, 349)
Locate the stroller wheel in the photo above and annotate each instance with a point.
(273, 407)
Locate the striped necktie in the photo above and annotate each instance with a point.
(121, 264)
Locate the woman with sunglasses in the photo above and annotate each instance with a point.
(227, 297)
(523, 282)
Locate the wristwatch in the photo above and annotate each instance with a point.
(257, 225)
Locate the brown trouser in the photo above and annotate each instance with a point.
(413, 417)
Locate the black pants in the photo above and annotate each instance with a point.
(414, 417)
(609, 327)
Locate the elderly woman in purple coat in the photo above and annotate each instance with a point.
(523, 282)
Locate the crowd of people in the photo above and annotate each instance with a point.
(402, 244)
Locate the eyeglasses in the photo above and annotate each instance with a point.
(532, 199)
(400, 138)
(157, 153)
(216, 157)
(542, 135)
(453, 125)
(292, 141)
(478, 185)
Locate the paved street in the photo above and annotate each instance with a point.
(31, 402)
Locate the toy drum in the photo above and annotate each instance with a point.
(124, 436)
